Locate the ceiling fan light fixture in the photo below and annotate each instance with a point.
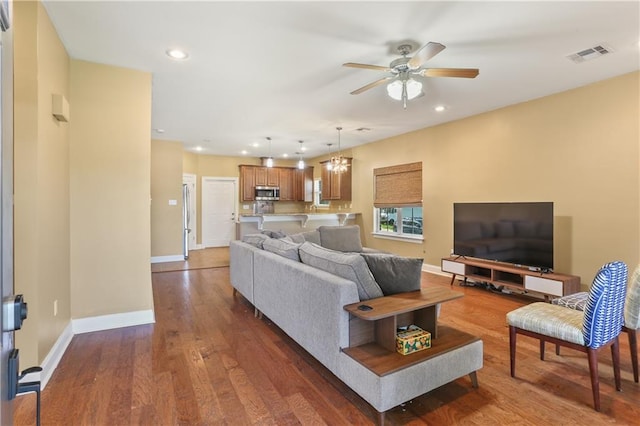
(395, 89)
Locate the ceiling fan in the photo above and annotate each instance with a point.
(402, 85)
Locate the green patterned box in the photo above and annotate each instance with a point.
(412, 340)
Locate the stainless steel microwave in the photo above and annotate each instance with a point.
(266, 193)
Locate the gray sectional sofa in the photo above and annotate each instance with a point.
(307, 304)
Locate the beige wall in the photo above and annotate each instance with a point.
(41, 173)
(166, 184)
(110, 190)
(579, 149)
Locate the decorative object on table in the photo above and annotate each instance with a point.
(412, 339)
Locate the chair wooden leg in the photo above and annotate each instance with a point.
(512, 349)
(592, 355)
(633, 345)
(615, 356)
(541, 350)
(557, 349)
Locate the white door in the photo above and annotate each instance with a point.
(219, 197)
(190, 181)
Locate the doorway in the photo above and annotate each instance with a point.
(219, 195)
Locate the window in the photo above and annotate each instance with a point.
(398, 201)
(317, 194)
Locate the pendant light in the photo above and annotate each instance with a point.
(330, 162)
(301, 164)
(338, 163)
(270, 158)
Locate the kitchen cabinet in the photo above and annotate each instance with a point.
(336, 186)
(286, 184)
(303, 185)
(294, 184)
(247, 183)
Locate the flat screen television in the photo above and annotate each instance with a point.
(520, 233)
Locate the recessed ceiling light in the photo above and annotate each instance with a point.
(159, 130)
(177, 54)
(439, 108)
(198, 148)
(285, 155)
(244, 152)
(255, 144)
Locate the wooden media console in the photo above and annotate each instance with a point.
(511, 276)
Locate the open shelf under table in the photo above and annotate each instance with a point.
(382, 361)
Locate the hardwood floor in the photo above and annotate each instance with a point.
(207, 360)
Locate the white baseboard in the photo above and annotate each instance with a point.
(172, 258)
(435, 270)
(84, 325)
(52, 359)
(108, 322)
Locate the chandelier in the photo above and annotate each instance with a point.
(338, 163)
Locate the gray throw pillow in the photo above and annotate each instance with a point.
(350, 266)
(341, 238)
(296, 238)
(273, 234)
(283, 248)
(394, 274)
(311, 236)
(256, 240)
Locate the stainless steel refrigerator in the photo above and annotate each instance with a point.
(186, 219)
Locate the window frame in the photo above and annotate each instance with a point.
(317, 195)
(398, 234)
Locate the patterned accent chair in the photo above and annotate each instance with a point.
(631, 314)
(597, 327)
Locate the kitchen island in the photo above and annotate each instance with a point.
(291, 223)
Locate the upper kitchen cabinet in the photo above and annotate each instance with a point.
(336, 186)
(303, 185)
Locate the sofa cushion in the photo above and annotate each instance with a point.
(273, 234)
(282, 247)
(350, 266)
(311, 236)
(394, 274)
(255, 240)
(341, 238)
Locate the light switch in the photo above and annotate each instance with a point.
(173, 202)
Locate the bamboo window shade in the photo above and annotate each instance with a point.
(398, 186)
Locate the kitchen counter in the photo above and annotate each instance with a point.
(302, 218)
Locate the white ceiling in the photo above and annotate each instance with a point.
(259, 69)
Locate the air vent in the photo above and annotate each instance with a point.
(591, 53)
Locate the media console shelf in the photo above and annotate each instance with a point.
(511, 276)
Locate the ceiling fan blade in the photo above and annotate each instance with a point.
(450, 72)
(366, 66)
(371, 85)
(425, 53)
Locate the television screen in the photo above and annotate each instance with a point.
(520, 233)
